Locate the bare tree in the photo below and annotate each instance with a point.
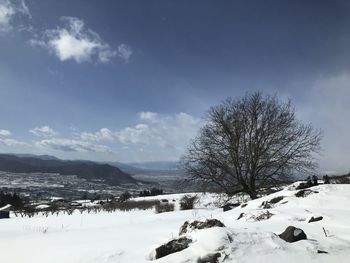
(250, 144)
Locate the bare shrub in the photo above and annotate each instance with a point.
(263, 216)
(130, 205)
(161, 208)
(187, 202)
(109, 207)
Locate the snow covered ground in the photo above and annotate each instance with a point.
(133, 236)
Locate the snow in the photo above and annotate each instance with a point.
(297, 232)
(42, 206)
(56, 198)
(4, 208)
(133, 236)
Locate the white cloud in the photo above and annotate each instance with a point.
(125, 52)
(155, 136)
(68, 145)
(102, 134)
(12, 142)
(44, 131)
(148, 116)
(139, 134)
(4, 140)
(5, 133)
(74, 41)
(9, 10)
(170, 131)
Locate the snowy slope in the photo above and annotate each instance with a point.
(133, 236)
(247, 240)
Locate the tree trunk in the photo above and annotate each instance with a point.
(252, 194)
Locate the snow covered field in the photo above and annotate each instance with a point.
(133, 236)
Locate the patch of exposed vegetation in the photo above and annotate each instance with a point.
(187, 226)
(187, 202)
(164, 207)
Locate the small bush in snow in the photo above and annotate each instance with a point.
(124, 196)
(165, 207)
(264, 216)
(188, 201)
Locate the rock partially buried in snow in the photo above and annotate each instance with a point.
(230, 206)
(293, 234)
(305, 193)
(172, 246)
(188, 227)
(322, 252)
(270, 203)
(211, 258)
(315, 219)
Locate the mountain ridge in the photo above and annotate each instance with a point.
(84, 169)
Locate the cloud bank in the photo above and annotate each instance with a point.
(69, 145)
(153, 137)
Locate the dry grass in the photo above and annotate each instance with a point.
(161, 208)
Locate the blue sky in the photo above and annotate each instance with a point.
(131, 80)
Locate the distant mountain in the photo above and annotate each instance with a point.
(157, 165)
(151, 168)
(42, 157)
(127, 168)
(48, 164)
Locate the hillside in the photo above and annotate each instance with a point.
(83, 169)
(133, 236)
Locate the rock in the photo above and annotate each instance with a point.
(305, 193)
(226, 208)
(229, 206)
(315, 219)
(240, 216)
(210, 258)
(244, 205)
(172, 246)
(266, 205)
(276, 199)
(187, 226)
(270, 203)
(293, 234)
